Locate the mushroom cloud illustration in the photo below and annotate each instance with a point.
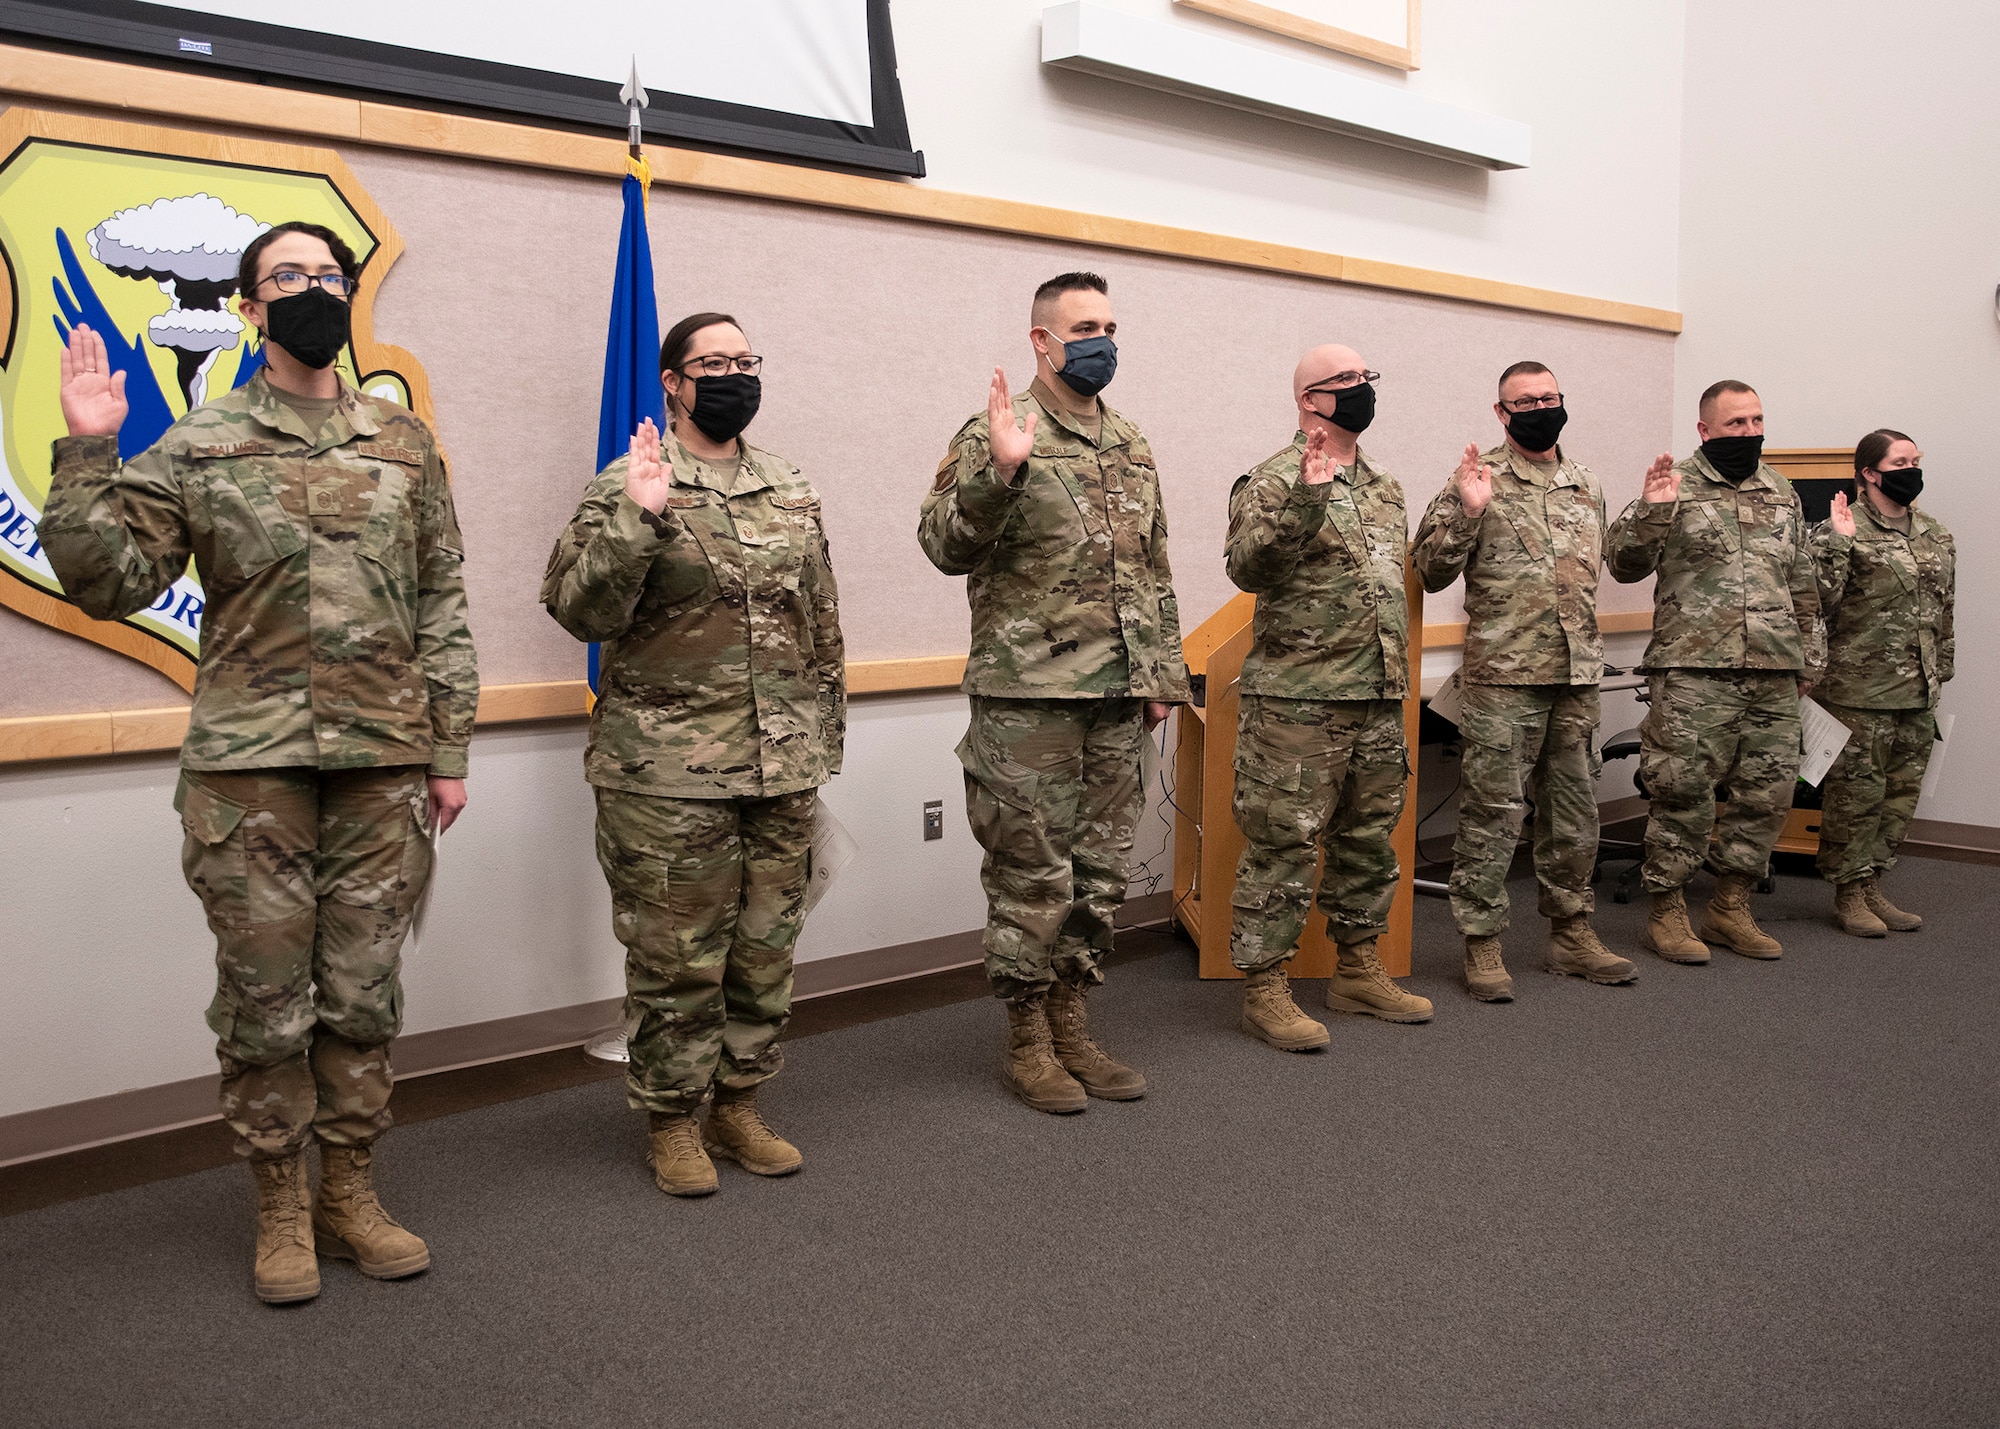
(190, 246)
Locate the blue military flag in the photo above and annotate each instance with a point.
(632, 344)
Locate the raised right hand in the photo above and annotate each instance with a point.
(1009, 442)
(1475, 482)
(1843, 519)
(1317, 468)
(1663, 483)
(648, 477)
(93, 396)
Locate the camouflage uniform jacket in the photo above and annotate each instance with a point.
(1326, 565)
(723, 673)
(1070, 589)
(1888, 600)
(1736, 588)
(1530, 562)
(334, 634)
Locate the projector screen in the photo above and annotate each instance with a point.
(811, 79)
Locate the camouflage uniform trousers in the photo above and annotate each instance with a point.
(1512, 733)
(1316, 781)
(1871, 792)
(708, 898)
(1735, 728)
(309, 879)
(1053, 793)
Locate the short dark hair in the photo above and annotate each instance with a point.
(1869, 451)
(680, 337)
(246, 266)
(1071, 283)
(1727, 384)
(1521, 369)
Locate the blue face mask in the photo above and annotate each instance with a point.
(1089, 364)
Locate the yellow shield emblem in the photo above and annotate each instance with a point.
(141, 242)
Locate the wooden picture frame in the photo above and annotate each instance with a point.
(1280, 21)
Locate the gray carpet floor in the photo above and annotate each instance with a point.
(1748, 1194)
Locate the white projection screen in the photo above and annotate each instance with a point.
(806, 79)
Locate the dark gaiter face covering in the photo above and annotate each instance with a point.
(724, 406)
(1089, 364)
(1904, 485)
(1537, 431)
(1734, 458)
(312, 326)
(1353, 407)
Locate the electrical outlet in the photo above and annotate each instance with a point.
(933, 819)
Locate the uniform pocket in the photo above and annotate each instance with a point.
(248, 529)
(389, 524)
(1266, 768)
(419, 854)
(212, 855)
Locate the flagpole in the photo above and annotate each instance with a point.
(610, 1045)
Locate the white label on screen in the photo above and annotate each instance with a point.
(807, 57)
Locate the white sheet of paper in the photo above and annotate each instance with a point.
(833, 848)
(1824, 737)
(1944, 724)
(424, 898)
(1449, 701)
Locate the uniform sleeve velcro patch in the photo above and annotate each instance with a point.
(224, 449)
(389, 451)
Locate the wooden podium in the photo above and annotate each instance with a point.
(1206, 840)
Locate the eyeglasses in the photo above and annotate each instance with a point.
(722, 366)
(1529, 404)
(291, 281)
(1341, 380)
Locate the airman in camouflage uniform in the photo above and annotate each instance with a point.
(333, 703)
(722, 708)
(1318, 533)
(1887, 577)
(1049, 502)
(1736, 631)
(1525, 525)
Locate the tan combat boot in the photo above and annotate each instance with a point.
(737, 1130)
(1485, 974)
(1893, 918)
(1727, 920)
(1083, 1059)
(350, 1224)
(1575, 951)
(1667, 931)
(1850, 906)
(1270, 1015)
(680, 1166)
(1032, 1072)
(287, 1271)
(1360, 985)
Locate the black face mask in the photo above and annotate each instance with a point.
(1089, 364)
(1353, 407)
(1902, 485)
(1536, 430)
(312, 326)
(1734, 458)
(724, 406)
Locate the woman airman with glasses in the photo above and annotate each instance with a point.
(1887, 578)
(700, 563)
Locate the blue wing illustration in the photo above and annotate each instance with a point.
(149, 414)
(247, 365)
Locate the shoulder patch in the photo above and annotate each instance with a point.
(947, 473)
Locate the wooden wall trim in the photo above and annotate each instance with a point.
(1406, 56)
(35, 738)
(210, 100)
